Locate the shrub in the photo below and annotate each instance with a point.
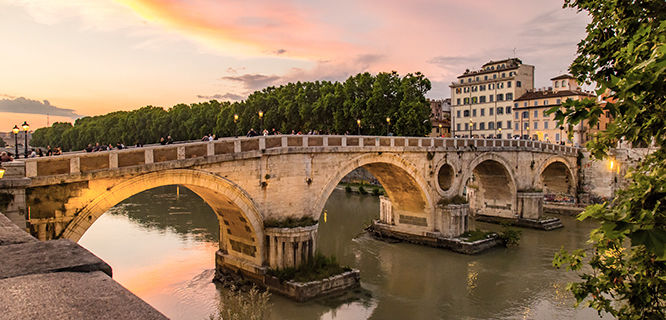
(362, 190)
(317, 268)
(475, 235)
(348, 189)
(235, 304)
(376, 192)
(510, 236)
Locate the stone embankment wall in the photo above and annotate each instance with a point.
(59, 279)
(601, 178)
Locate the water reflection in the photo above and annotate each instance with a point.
(162, 249)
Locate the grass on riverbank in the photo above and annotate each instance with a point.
(317, 268)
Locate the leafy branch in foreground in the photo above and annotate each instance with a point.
(624, 273)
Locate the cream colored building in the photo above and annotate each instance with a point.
(532, 122)
(482, 100)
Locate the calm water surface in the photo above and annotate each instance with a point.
(161, 247)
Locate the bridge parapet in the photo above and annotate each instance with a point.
(82, 162)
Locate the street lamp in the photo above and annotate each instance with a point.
(470, 128)
(16, 132)
(388, 125)
(236, 124)
(440, 129)
(261, 117)
(26, 127)
(358, 122)
(561, 139)
(500, 133)
(528, 132)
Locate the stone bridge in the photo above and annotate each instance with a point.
(254, 184)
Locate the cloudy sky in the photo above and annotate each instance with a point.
(71, 58)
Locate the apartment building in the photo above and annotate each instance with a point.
(532, 122)
(482, 100)
(440, 117)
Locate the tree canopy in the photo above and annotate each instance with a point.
(328, 107)
(624, 56)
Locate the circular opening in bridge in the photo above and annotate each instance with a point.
(557, 183)
(445, 176)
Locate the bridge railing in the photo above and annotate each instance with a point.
(83, 162)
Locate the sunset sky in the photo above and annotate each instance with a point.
(72, 58)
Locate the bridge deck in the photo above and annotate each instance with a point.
(83, 162)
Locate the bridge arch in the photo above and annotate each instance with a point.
(241, 224)
(404, 185)
(556, 176)
(491, 185)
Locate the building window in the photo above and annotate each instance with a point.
(545, 125)
(557, 137)
(536, 125)
(508, 124)
(536, 113)
(482, 126)
(545, 102)
(477, 78)
(558, 101)
(473, 112)
(508, 110)
(500, 110)
(469, 80)
(518, 84)
(466, 113)
(485, 77)
(473, 126)
(536, 103)
(516, 115)
(466, 100)
(503, 74)
(474, 100)
(526, 125)
(490, 111)
(509, 96)
(525, 115)
(508, 84)
(458, 126)
(483, 112)
(462, 81)
(499, 124)
(482, 99)
(515, 125)
(466, 126)
(564, 83)
(490, 98)
(491, 86)
(525, 104)
(458, 101)
(557, 84)
(495, 76)
(482, 87)
(500, 97)
(491, 126)
(458, 114)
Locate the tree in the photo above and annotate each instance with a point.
(623, 55)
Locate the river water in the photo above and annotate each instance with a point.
(161, 245)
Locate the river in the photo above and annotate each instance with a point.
(161, 246)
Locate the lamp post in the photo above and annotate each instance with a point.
(528, 132)
(26, 127)
(500, 133)
(471, 123)
(261, 117)
(561, 139)
(440, 130)
(358, 123)
(236, 124)
(16, 132)
(388, 125)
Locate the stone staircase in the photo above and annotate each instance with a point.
(551, 224)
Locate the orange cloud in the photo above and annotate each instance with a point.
(246, 27)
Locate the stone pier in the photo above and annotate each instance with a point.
(290, 247)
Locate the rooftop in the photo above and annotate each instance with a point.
(543, 94)
(564, 76)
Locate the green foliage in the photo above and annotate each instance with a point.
(348, 189)
(510, 236)
(317, 268)
(475, 235)
(2, 143)
(328, 107)
(235, 304)
(290, 222)
(376, 192)
(362, 190)
(624, 55)
(457, 199)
